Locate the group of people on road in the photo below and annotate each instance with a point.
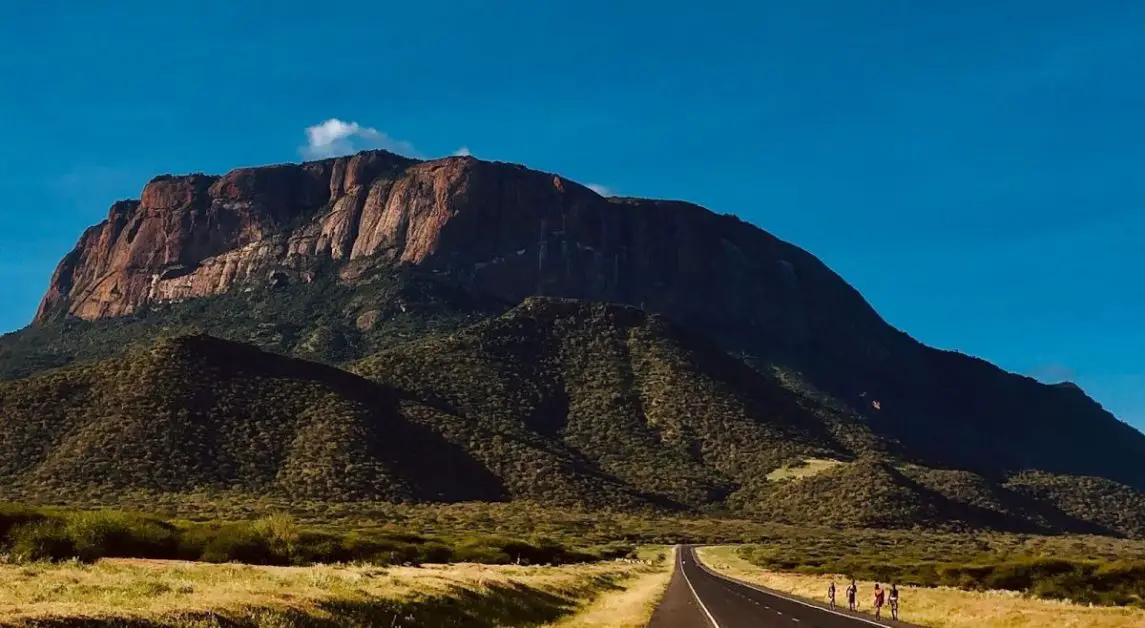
(883, 597)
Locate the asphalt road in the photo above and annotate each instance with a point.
(699, 598)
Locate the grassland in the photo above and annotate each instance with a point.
(93, 568)
(803, 469)
(163, 593)
(941, 572)
(941, 607)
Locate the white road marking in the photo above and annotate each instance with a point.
(680, 553)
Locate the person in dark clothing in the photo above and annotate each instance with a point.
(831, 594)
(852, 593)
(893, 598)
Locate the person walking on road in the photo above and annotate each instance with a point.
(880, 597)
(831, 594)
(852, 593)
(893, 598)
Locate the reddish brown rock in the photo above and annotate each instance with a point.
(499, 228)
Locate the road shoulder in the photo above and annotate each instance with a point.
(630, 607)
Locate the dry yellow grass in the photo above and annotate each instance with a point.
(191, 593)
(805, 469)
(633, 606)
(939, 607)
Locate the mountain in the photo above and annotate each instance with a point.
(561, 402)
(360, 258)
(492, 412)
(495, 229)
(198, 412)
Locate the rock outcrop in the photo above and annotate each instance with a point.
(496, 228)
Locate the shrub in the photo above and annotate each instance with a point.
(281, 533)
(41, 540)
(239, 542)
(318, 547)
(12, 515)
(109, 534)
(277, 540)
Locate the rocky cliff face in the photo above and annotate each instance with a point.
(496, 228)
(195, 236)
(506, 231)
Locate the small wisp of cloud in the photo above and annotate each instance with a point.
(462, 152)
(600, 189)
(336, 137)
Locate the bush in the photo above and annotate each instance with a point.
(110, 534)
(318, 547)
(436, 553)
(281, 532)
(241, 543)
(32, 535)
(41, 540)
(14, 515)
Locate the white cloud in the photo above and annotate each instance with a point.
(600, 189)
(462, 152)
(335, 137)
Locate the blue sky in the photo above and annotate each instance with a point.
(976, 169)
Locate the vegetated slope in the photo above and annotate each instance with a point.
(560, 402)
(1107, 503)
(199, 413)
(669, 414)
(637, 397)
(507, 232)
(880, 493)
(327, 319)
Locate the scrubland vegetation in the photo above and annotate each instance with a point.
(1090, 570)
(30, 535)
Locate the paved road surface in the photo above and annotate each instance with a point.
(698, 598)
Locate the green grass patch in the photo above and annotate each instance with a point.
(803, 469)
(31, 534)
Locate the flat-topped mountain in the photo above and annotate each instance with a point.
(494, 228)
(348, 258)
